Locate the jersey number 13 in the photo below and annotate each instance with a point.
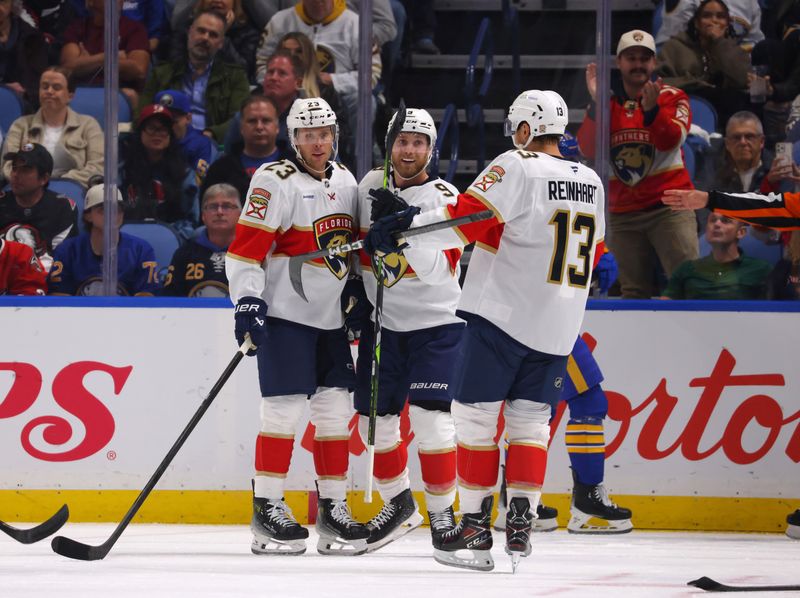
(579, 270)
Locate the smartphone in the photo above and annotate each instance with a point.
(783, 152)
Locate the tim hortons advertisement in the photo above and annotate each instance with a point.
(700, 403)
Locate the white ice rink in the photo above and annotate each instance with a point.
(201, 561)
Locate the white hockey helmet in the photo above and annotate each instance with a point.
(544, 111)
(418, 120)
(308, 113)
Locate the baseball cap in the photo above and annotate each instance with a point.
(635, 38)
(175, 100)
(155, 111)
(33, 154)
(94, 196)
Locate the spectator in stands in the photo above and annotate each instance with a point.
(75, 141)
(241, 36)
(216, 88)
(150, 13)
(29, 212)
(199, 151)
(259, 130)
(156, 181)
(793, 125)
(21, 272)
(198, 266)
(745, 20)
(282, 85)
(336, 43)
(784, 282)
(78, 262)
(649, 123)
(726, 273)
(422, 23)
(706, 61)
(84, 50)
(23, 54)
(51, 17)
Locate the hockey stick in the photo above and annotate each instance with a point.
(296, 262)
(38, 532)
(391, 136)
(85, 552)
(709, 585)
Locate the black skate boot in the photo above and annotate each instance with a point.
(793, 529)
(397, 517)
(442, 522)
(546, 517)
(519, 521)
(338, 532)
(594, 513)
(275, 530)
(472, 537)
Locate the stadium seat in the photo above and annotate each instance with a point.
(91, 101)
(704, 115)
(161, 236)
(10, 108)
(72, 189)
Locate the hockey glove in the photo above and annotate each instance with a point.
(606, 272)
(384, 203)
(355, 306)
(380, 237)
(251, 317)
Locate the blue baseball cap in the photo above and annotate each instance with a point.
(175, 100)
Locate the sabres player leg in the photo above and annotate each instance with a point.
(420, 342)
(793, 525)
(302, 349)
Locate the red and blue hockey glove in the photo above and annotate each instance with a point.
(251, 318)
(380, 238)
(384, 203)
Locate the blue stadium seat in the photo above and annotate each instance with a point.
(10, 108)
(161, 236)
(91, 101)
(689, 160)
(752, 247)
(704, 115)
(72, 189)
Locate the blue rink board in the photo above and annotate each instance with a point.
(224, 302)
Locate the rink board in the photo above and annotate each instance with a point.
(703, 429)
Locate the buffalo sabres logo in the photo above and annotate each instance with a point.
(632, 155)
(332, 231)
(394, 267)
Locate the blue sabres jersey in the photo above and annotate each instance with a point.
(77, 270)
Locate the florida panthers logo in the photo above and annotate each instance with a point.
(331, 231)
(632, 155)
(394, 267)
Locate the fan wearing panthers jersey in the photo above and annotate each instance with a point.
(420, 340)
(293, 207)
(524, 298)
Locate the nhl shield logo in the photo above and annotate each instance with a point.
(632, 155)
(331, 231)
(394, 267)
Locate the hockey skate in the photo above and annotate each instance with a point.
(468, 545)
(594, 513)
(441, 523)
(519, 522)
(275, 530)
(338, 532)
(397, 517)
(546, 517)
(793, 529)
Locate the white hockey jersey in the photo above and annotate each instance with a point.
(422, 289)
(288, 212)
(532, 265)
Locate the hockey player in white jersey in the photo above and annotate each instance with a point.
(523, 298)
(420, 340)
(295, 206)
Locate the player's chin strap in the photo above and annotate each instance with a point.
(524, 144)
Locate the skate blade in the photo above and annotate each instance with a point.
(515, 556)
(793, 531)
(478, 560)
(584, 524)
(544, 525)
(263, 545)
(341, 547)
(401, 530)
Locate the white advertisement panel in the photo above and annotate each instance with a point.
(700, 403)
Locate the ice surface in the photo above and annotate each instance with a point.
(201, 561)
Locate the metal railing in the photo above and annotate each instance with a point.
(448, 130)
(476, 94)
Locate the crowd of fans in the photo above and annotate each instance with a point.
(211, 82)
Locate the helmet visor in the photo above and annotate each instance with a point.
(509, 127)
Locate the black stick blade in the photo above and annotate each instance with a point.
(709, 585)
(39, 532)
(78, 550)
